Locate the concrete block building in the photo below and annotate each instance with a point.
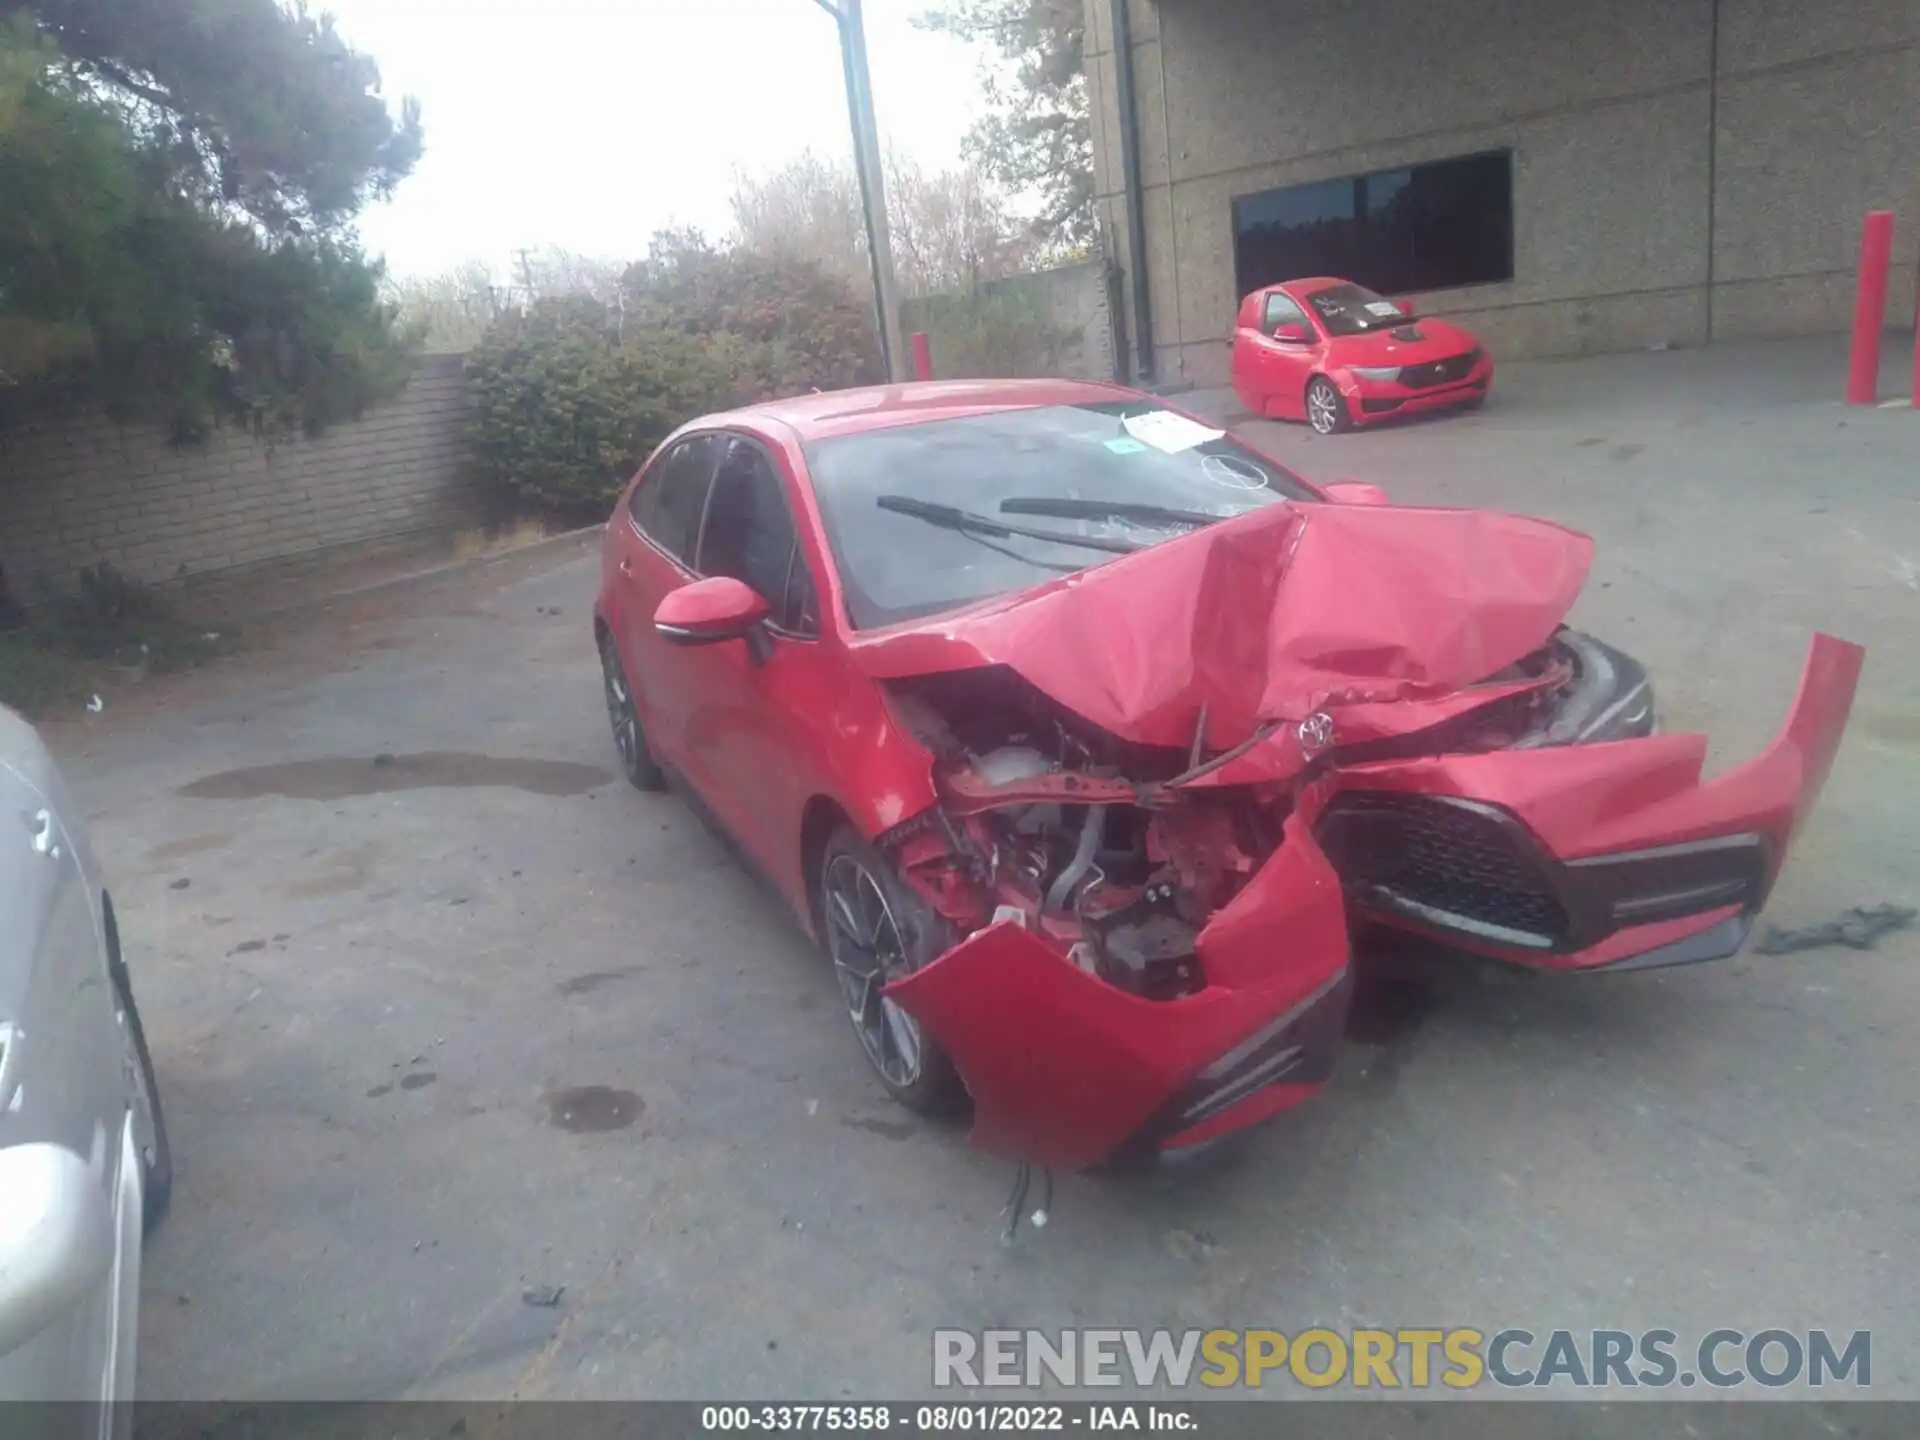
(1565, 176)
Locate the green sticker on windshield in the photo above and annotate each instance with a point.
(1125, 445)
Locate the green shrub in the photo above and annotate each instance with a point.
(572, 395)
(805, 328)
(568, 400)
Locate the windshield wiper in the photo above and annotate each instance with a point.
(951, 518)
(1064, 509)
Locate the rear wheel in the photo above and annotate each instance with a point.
(636, 760)
(876, 929)
(1326, 407)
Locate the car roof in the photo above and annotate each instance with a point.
(1310, 284)
(831, 413)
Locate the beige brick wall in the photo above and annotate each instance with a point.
(77, 493)
(1683, 169)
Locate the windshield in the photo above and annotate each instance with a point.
(1355, 310)
(926, 518)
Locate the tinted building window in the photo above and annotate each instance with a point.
(1426, 227)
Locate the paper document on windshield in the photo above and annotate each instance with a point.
(1168, 432)
(1383, 307)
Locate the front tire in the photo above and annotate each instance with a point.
(149, 1121)
(875, 928)
(636, 760)
(1326, 407)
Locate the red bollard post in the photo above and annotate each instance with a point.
(922, 355)
(1870, 307)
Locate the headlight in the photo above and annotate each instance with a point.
(1377, 372)
(1609, 698)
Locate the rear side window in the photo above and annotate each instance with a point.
(749, 535)
(667, 502)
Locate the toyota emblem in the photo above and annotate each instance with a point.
(1316, 733)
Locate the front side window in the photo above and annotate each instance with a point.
(749, 532)
(1282, 311)
(929, 517)
(667, 502)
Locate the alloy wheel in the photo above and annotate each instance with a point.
(620, 712)
(1323, 407)
(868, 952)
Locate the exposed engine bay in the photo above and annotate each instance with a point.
(1117, 856)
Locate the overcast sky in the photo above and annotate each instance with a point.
(589, 124)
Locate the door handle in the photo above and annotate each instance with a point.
(43, 836)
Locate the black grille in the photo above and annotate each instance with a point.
(1460, 865)
(1438, 372)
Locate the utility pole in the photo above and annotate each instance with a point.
(873, 184)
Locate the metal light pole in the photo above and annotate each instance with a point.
(873, 187)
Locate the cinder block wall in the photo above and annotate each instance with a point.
(1668, 154)
(76, 493)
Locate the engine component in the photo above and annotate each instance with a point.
(1148, 949)
(1010, 763)
(1092, 830)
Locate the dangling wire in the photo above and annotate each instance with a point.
(1017, 1202)
(1015, 1209)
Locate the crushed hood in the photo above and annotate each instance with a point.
(1270, 616)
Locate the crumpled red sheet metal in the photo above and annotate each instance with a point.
(1063, 1067)
(1270, 616)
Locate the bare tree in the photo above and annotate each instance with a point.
(809, 208)
(453, 308)
(456, 306)
(951, 228)
(552, 273)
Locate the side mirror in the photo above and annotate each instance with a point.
(1406, 309)
(1294, 334)
(1355, 492)
(709, 612)
(56, 1239)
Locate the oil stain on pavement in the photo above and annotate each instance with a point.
(341, 778)
(593, 1109)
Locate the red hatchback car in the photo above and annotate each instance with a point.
(1080, 735)
(1337, 355)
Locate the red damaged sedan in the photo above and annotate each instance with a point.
(1337, 355)
(1081, 736)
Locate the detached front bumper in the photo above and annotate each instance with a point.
(1585, 857)
(1067, 1071)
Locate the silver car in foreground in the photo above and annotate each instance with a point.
(84, 1164)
